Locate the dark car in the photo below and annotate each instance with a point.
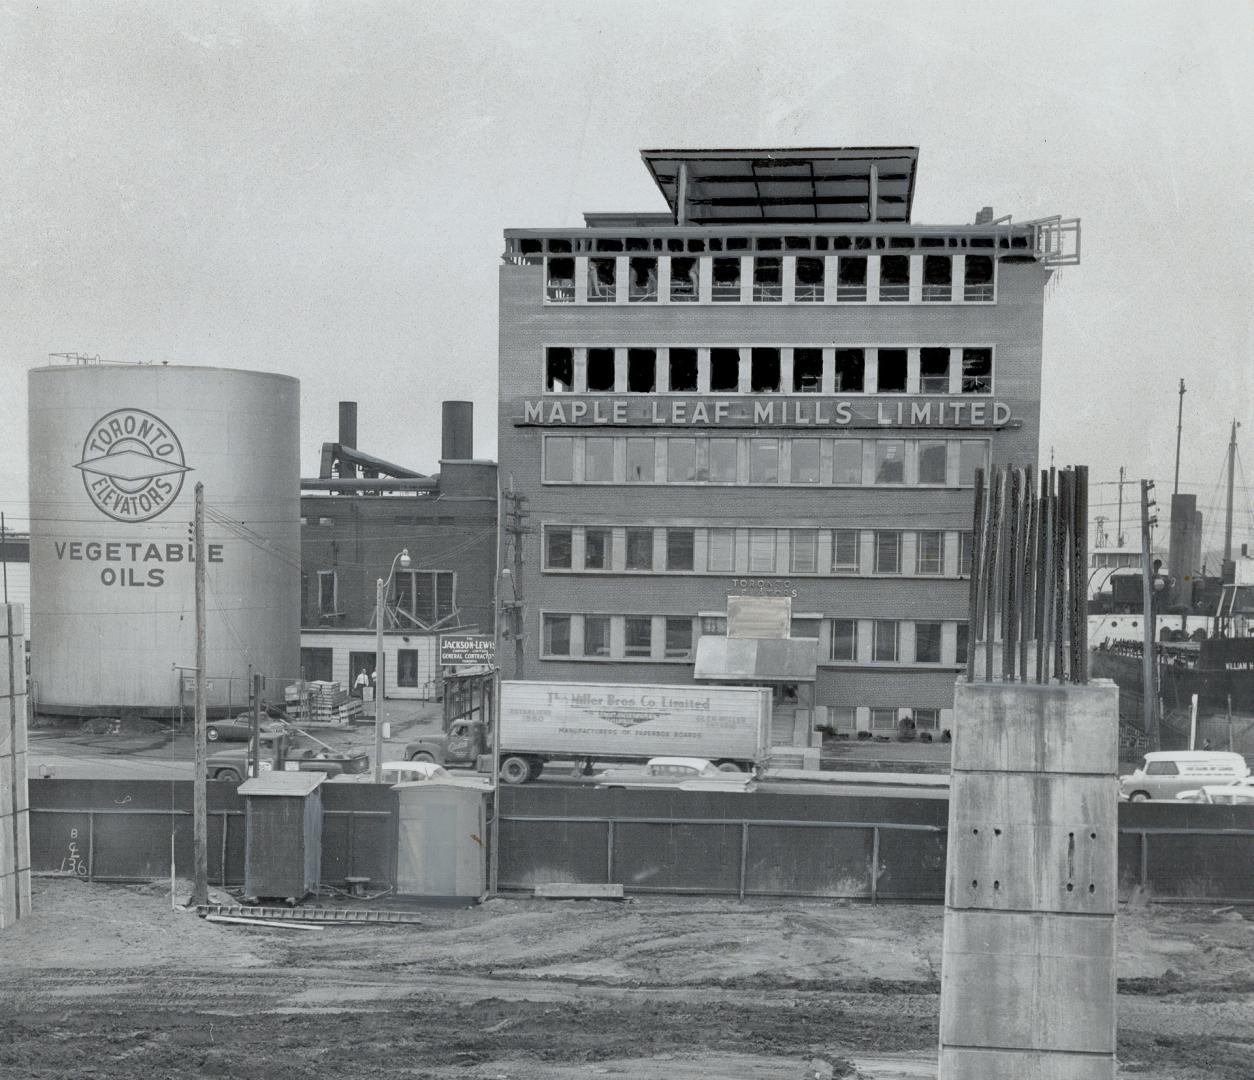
(238, 728)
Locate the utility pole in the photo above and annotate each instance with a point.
(516, 526)
(255, 764)
(200, 812)
(1179, 427)
(1149, 694)
(1119, 525)
(4, 558)
(1232, 460)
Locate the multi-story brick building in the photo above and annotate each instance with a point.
(780, 387)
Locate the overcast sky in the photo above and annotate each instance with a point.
(320, 189)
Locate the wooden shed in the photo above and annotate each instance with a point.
(282, 834)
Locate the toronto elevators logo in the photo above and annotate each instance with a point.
(132, 465)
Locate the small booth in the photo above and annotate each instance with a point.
(442, 841)
(282, 835)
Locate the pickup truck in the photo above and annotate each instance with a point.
(280, 753)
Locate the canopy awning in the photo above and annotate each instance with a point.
(725, 659)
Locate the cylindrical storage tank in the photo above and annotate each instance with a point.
(115, 455)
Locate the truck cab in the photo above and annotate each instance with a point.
(462, 744)
(279, 753)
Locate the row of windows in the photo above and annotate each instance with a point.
(769, 370)
(701, 550)
(886, 720)
(425, 596)
(758, 279)
(748, 460)
(525, 248)
(903, 642)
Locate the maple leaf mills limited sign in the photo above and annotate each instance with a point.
(132, 465)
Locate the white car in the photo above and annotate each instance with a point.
(684, 773)
(1238, 794)
(406, 773)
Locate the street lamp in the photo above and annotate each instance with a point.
(380, 591)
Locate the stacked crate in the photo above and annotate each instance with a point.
(322, 703)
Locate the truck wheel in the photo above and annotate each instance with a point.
(515, 770)
(421, 755)
(229, 776)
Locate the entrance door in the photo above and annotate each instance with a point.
(359, 662)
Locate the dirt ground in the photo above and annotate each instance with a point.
(109, 982)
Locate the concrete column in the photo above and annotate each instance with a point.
(1028, 968)
(14, 807)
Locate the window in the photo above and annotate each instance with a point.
(809, 280)
(934, 371)
(560, 284)
(764, 461)
(315, 664)
(842, 717)
(722, 461)
(804, 628)
(933, 454)
(884, 641)
(883, 719)
(426, 596)
(678, 638)
(725, 287)
(721, 551)
(847, 461)
(804, 468)
(803, 555)
(559, 370)
(557, 547)
(807, 371)
(894, 278)
(681, 461)
(557, 635)
(844, 639)
(596, 635)
(764, 371)
(406, 667)
(931, 554)
(685, 281)
(637, 635)
(927, 642)
(978, 284)
(596, 548)
(679, 548)
(328, 593)
(887, 552)
(713, 625)
(724, 371)
(640, 461)
(977, 371)
(761, 551)
(639, 549)
(891, 368)
(642, 284)
(641, 371)
(1161, 768)
(768, 278)
(601, 370)
(601, 285)
(890, 465)
(559, 459)
(598, 460)
(926, 719)
(971, 457)
(845, 550)
(850, 371)
(938, 272)
(964, 633)
(851, 278)
(683, 370)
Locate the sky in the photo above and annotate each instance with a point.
(320, 189)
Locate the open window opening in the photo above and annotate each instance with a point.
(764, 373)
(725, 287)
(641, 371)
(977, 286)
(891, 371)
(601, 370)
(894, 278)
(642, 286)
(601, 280)
(938, 271)
(851, 278)
(680, 545)
(683, 370)
(560, 283)
(934, 371)
(977, 371)
(685, 280)
(724, 371)
(559, 370)
(850, 371)
(809, 283)
(678, 638)
(807, 371)
(768, 278)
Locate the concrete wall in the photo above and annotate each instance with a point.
(14, 813)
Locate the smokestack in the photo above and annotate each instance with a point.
(458, 443)
(348, 435)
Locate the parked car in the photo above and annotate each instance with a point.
(1239, 794)
(686, 774)
(238, 728)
